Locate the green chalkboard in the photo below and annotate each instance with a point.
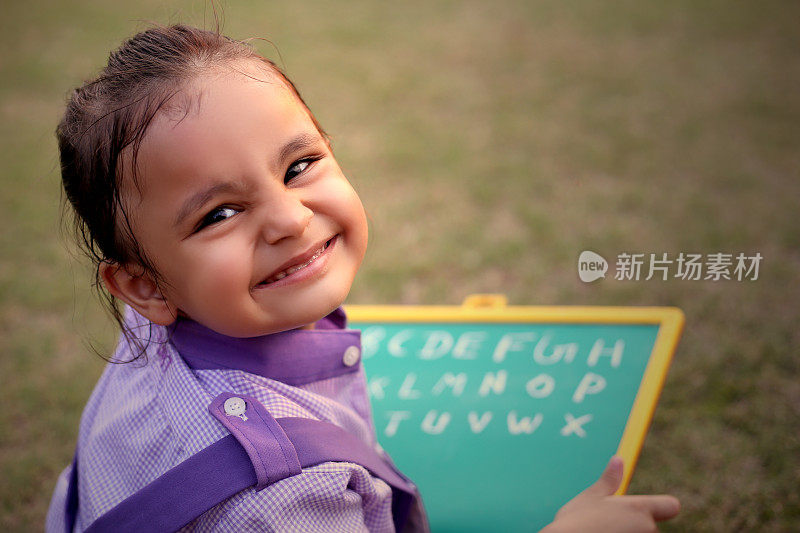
(500, 421)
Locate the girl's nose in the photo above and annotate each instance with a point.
(286, 217)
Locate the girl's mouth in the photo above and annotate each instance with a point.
(299, 266)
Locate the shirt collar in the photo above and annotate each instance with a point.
(294, 357)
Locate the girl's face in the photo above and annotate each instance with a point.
(244, 211)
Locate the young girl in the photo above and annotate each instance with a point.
(209, 198)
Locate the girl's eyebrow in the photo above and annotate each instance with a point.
(301, 142)
(200, 198)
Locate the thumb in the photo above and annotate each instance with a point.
(609, 481)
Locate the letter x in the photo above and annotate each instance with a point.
(575, 425)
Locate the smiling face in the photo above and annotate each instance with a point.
(244, 211)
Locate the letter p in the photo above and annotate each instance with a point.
(590, 384)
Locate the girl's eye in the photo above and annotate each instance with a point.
(217, 215)
(297, 168)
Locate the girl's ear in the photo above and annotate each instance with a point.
(137, 289)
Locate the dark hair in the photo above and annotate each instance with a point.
(111, 114)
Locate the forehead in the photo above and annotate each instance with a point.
(218, 124)
(189, 94)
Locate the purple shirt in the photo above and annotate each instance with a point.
(145, 417)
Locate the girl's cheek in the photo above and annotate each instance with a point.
(338, 198)
(221, 259)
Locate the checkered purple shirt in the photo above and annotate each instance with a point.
(145, 417)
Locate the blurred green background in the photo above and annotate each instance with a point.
(491, 143)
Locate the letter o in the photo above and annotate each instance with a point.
(541, 386)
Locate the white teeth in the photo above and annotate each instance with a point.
(293, 269)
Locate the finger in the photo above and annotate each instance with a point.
(661, 506)
(609, 481)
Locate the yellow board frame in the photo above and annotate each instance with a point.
(494, 308)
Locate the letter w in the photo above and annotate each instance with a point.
(523, 425)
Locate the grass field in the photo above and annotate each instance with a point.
(491, 143)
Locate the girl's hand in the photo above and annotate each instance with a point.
(597, 509)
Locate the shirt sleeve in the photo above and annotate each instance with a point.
(56, 521)
(332, 496)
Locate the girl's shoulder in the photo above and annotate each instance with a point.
(147, 416)
(144, 417)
